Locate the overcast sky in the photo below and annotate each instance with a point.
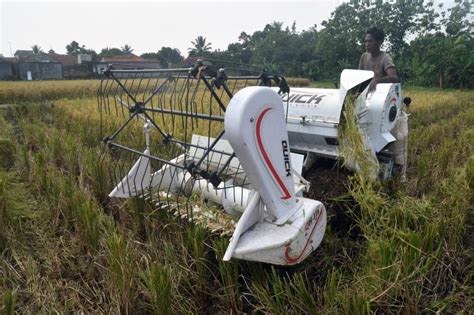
(146, 25)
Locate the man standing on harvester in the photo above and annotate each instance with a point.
(376, 60)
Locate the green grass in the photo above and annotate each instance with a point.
(66, 247)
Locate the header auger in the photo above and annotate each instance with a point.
(225, 148)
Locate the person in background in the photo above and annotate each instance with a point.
(376, 60)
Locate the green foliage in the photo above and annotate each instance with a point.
(158, 283)
(200, 46)
(110, 52)
(167, 56)
(441, 53)
(7, 154)
(36, 49)
(8, 303)
(126, 49)
(74, 49)
(121, 270)
(443, 60)
(229, 277)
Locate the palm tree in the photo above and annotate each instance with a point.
(200, 46)
(36, 49)
(126, 49)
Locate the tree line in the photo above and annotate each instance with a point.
(431, 45)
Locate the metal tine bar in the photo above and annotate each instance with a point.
(128, 107)
(161, 101)
(177, 101)
(249, 77)
(123, 87)
(116, 91)
(148, 81)
(145, 155)
(203, 100)
(221, 156)
(99, 107)
(209, 124)
(101, 95)
(137, 89)
(127, 84)
(193, 98)
(186, 114)
(211, 146)
(226, 164)
(183, 143)
(172, 105)
(202, 109)
(156, 90)
(235, 86)
(178, 70)
(146, 117)
(213, 93)
(131, 86)
(221, 97)
(182, 186)
(186, 92)
(152, 106)
(165, 136)
(143, 85)
(183, 107)
(110, 84)
(112, 137)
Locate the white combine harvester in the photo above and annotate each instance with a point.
(238, 142)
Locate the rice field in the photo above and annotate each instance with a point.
(406, 247)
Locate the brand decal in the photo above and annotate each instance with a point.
(286, 157)
(310, 228)
(303, 98)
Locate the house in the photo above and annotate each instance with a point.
(31, 66)
(75, 67)
(6, 69)
(130, 61)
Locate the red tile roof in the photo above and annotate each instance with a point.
(65, 60)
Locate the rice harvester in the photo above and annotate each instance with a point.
(225, 148)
